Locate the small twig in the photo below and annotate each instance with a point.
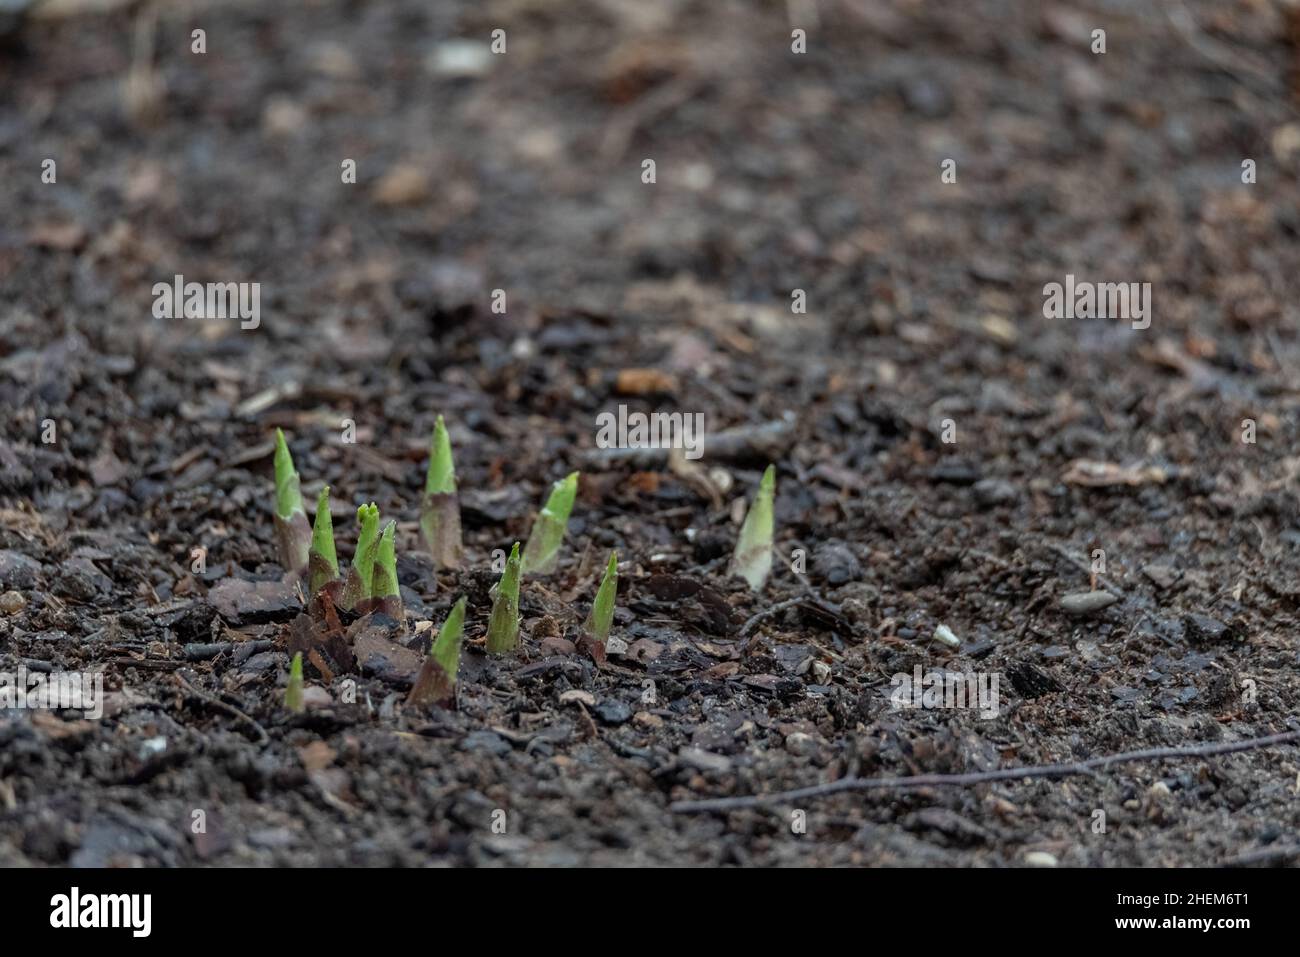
(766, 440)
(1267, 855)
(1231, 62)
(1083, 566)
(147, 664)
(229, 709)
(651, 108)
(204, 651)
(1063, 770)
(769, 612)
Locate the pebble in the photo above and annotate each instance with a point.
(242, 602)
(557, 645)
(1164, 576)
(488, 741)
(835, 563)
(994, 492)
(315, 698)
(265, 661)
(801, 744)
(459, 58)
(18, 570)
(1204, 629)
(927, 97)
(703, 760)
(647, 719)
(1087, 602)
(12, 602)
(81, 581)
(613, 711)
(271, 838)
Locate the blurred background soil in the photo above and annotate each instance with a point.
(775, 171)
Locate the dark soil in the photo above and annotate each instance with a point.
(775, 171)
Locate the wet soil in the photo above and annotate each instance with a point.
(945, 454)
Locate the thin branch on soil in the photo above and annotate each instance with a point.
(1254, 75)
(204, 651)
(1063, 770)
(1083, 566)
(769, 612)
(763, 440)
(649, 109)
(809, 599)
(230, 709)
(147, 664)
(1267, 855)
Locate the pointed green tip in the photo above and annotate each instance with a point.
(457, 613)
(322, 533)
(752, 559)
(446, 647)
(510, 576)
(288, 494)
(503, 622)
(549, 527)
(602, 609)
(283, 457)
(563, 494)
(293, 699)
(383, 578)
(441, 477)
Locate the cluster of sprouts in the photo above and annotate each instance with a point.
(370, 585)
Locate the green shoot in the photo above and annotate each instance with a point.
(548, 530)
(602, 609)
(323, 562)
(441, 476)
(440, 507)
(383, 584)
(383, 580)
(503, 625)
(357, 587)
(363, 559)
(292, 533)
(293, 700)
(446, 648)
(752, 559)
(288, 490)
(436, 682)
